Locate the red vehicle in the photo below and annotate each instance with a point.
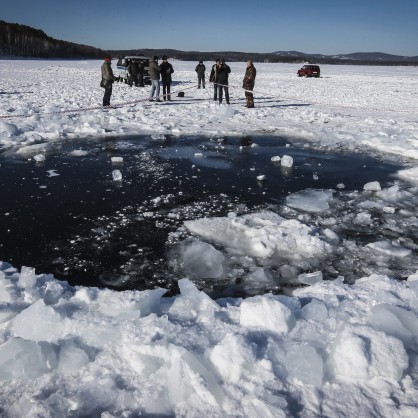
(309, 71)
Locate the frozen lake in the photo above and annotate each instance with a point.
(67, 216)
(190, 214)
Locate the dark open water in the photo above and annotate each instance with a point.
(80, 225)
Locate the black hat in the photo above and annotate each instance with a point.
(164, 57)
(155, 58)
(200, 62)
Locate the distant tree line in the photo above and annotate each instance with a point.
(23, 41)
(198, 55)
(233, 56)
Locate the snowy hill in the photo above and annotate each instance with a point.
(356, 56)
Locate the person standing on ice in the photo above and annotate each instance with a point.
(222, 74)
(212, 79)
(248, 83)
(141, 73)
(200, 69)
(154, 74)
(166, 71)
(133, 73)
(107, 79)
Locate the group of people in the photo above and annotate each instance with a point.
(136, 70)
(165, 69)
(218, 76)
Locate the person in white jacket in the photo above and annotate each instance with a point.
(154, 74)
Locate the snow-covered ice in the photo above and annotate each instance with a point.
(331, 349)
(328, 348)
(349, 107)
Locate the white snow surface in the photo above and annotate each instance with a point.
(329, 349)
(349, 107)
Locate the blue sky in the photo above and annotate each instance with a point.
(320, 26)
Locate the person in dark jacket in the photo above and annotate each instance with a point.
(166, 71)
(154, 74)
(248, 83)
(141, 71)
(212, 79)
(200, 69)
(133, 73)
(222, 74)
(107, 80)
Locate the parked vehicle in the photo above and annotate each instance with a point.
(309, 71)
(122, 68)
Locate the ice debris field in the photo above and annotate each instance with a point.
(328, 348)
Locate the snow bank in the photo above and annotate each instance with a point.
(68, 351)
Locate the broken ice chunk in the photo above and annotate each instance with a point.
(116, 175)
(39, 158)
(287, 161)
(310, 278)
(78, 153)
(373, 186)
(389, 248)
